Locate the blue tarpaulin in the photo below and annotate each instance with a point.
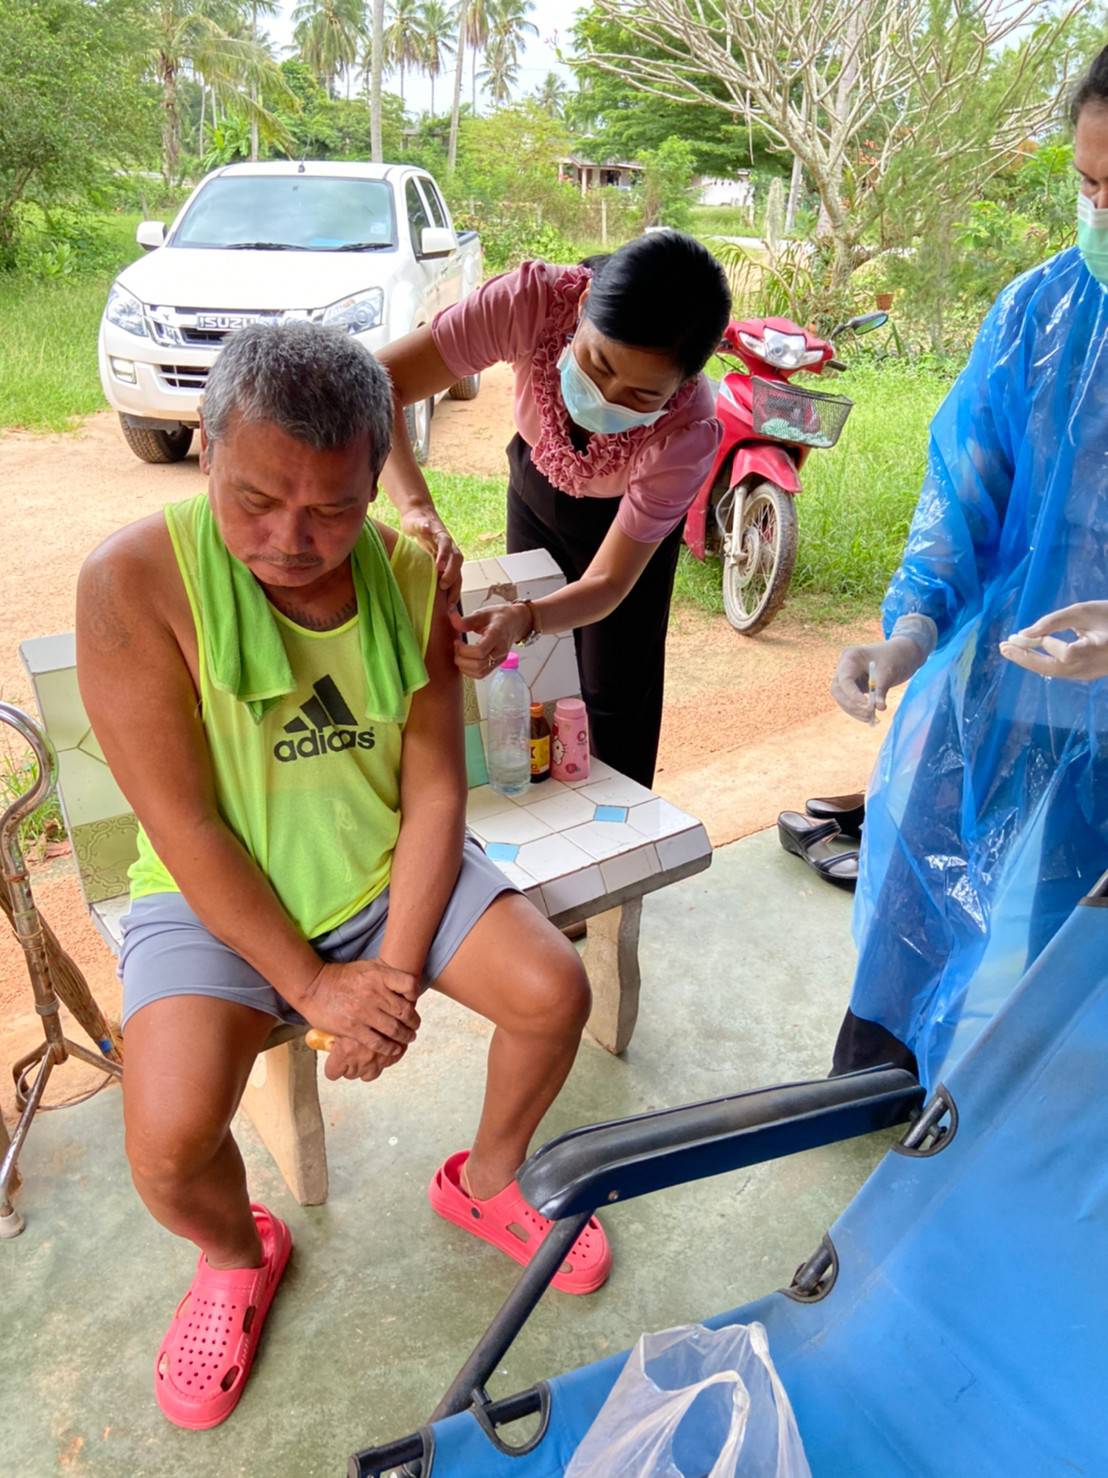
(987, 817)
(965, 1334)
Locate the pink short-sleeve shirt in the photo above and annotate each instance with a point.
(503, 321)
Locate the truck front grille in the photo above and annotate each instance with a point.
(183, 376)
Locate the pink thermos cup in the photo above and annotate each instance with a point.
(569, 751)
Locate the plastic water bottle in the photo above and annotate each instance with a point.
(509, 729)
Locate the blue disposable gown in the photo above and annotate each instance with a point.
(987, 816)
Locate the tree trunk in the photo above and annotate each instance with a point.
(474, 73)
(171, 119)
(254, 85)
(203, 110)
(432, 77)
(456, 106)
(376, 148)
(795, 186)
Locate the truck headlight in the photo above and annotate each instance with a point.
(357, 313)
(125, 311)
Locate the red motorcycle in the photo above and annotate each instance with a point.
(745, 509)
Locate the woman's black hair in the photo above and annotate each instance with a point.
(1093, 87)
(663, 291)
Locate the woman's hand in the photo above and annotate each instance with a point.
(893, 662)
(497, 629)
(1082, 660)
(427, 528)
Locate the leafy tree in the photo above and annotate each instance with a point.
(667, 187)
(502, 72)
(477, 38)
(207, 37)
(438, 41)
(614, 119)
(328, 34)
(404, 37)
(855, 90)
(59, 60)
(551, 96)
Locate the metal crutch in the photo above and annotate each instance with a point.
(28, 926)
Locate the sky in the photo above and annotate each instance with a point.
(554, 19)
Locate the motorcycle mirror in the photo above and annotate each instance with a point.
(864, 324)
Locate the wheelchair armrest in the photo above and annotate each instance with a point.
(601, 1163)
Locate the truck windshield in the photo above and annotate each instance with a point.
(290, 212)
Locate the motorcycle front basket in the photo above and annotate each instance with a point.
(783, 412)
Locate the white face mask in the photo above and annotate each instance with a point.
(1092, 237)
(588, 408)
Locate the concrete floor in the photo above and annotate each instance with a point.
(746, 971)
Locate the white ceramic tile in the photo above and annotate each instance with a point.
(574, 890)
(108, 916)
(546, 790)
(552, 857)
(515, 825)
(536, 589)
(515, 875)
(473, 578)
(484, 801)
(533, 659)
(605, 838)
(534, 895)
(49, 653)
(559, 677)
(598, 770)
(529, 564)
(616, 790)
(561, 812)
(657, 818)
(686, 847)
(630, 868)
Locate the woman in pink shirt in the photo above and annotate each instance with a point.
(615, 433)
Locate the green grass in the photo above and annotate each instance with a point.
(48, 331)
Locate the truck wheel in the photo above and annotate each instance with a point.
(465, 389)
(156, 446)
(418, 421)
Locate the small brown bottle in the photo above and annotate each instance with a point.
(540, 744)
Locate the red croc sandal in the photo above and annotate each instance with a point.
(205, 1358)
(510, 1224)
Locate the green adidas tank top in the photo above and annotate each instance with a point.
(311, 791)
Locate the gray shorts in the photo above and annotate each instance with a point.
(167, 951)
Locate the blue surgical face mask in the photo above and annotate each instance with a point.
(587, 407)
(1092, 238)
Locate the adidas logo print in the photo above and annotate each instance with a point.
(328, 727)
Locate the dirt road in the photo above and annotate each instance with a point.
(749, 727)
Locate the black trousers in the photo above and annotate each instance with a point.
(621, 659)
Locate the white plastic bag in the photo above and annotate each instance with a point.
(695, 1403)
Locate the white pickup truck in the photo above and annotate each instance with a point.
(368, 247)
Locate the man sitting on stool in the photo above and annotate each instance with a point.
(271, 677)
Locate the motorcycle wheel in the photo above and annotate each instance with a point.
(759, 552)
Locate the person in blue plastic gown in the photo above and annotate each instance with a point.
(987, 815)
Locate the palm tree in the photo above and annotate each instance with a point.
(551, 96)
(328, 34)
(456, 105)
(508, 25)
(477, 36)
(377, 62)
(206, 37)
(404, 37)
(257, 8)
(502, 72)
(438, 46)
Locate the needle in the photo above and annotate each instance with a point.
(873, 692)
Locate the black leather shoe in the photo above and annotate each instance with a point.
(807, 839)
(846, 811)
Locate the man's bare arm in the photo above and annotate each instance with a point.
(432, 803)
(140, 697)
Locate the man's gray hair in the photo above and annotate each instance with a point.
(316, 384)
